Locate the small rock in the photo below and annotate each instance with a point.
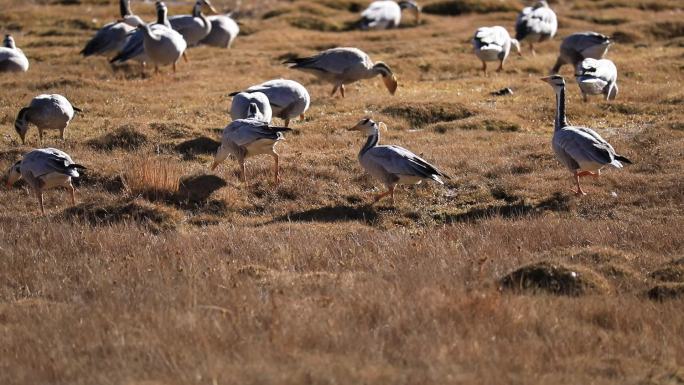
(503, 92)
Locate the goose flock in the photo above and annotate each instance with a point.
(162, 43)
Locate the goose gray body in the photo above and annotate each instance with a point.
(288, 98)
(249, 137)
(47, 111)
(113, 37)
(224, 30)
(580, 46)
(582, 150)
(194, 27)
(239, 108)
(536, 24)
(385, 14)
(596, 77)
(134, 47)
(344, 65)
(43, 169)
(392, 165)
(493, 44)
(12, 59)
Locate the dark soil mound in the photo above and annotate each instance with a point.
(554, 278)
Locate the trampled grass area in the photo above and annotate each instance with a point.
(168, 273)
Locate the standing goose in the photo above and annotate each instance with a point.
(242, 102)
(385, 14)
(223, 31)
(392, 165)
(341, 66)
(193, 27)
(597, 77)
(113, 36)
(245, 138)
(536, 24)
(580, 46)
(288, 99)
(493, 44)
(43, 169)
(46, 112)
(134, 49)
(582, 150)
(12, 59)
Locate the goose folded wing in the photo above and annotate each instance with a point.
(400, 161)
(585, 147)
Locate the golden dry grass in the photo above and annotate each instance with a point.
(166, 273)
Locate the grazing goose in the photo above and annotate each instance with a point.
(344, 65)
(493, 44)
(580, 149)
(223, 31)
(12, 59)
(536, 24)
(46, 112)
(43, 169)
(392, 165)
(597, 77)
(288, 98)
(193, 27)
(134, 49)
(242, 102)
(580, 46)
(385, 14)
(244, 138)
(113, 36)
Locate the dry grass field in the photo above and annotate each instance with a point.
(167, 273)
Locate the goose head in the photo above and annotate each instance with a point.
(8, 42)
(556, 81)
(253, 112)
(412, 7)
(387, 76)
(21, 124)
(207, 4)
(516, 44)
(368, 127)
(13, 174)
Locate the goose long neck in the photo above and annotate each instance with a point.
(371, 142)
(162, 17)
(124, 8)
(148, 33)
(561, 120)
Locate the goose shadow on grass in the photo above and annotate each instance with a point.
(330, 214)
(557, 202)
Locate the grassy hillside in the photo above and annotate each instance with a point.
(168, 273)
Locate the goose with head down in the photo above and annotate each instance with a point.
(113, 37)
(392, 165)
(288, 98)
(43, 169)
(45, 112)
(536, 24)
(580, 46)
(582, 150)
(385, 14)
(12, 59)
(597, 77)
(344, 65)
(249, 137)
(493, 44)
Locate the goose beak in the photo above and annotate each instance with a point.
(545, 79)
(213, 166)
(355, 128)
(390, 83)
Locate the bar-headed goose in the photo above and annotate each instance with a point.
(43, 169)
(46, 112)
(288, 98)
(193, 27)
(493, 44)
(583, 151)
(597, 77)
(112, 37)
(242, 102)
(580, 46)
(536, 24)
(392, 165)
(245, 138)
(12, 59)
(344, 65)
(134, 49)
(385, 14)
(223, 31)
